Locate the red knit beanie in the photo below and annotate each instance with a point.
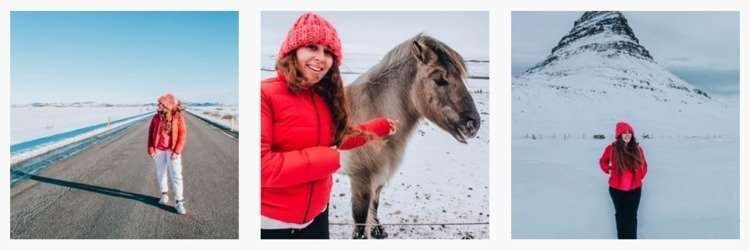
(310, 28)
(168, 100)
(623, 127)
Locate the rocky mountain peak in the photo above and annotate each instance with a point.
(605, 32)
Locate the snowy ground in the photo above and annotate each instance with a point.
(439, 180)
(52, 145)
(558, 191)
(224, 115)
(27, 123)
(691, 191)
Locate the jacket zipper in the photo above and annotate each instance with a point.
(309, 194)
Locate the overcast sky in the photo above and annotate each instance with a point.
(378, 32)
(700, 47)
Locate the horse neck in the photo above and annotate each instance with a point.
(390, 84)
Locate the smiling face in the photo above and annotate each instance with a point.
(627, 136)
(313, 62)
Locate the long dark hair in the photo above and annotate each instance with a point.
(628, 155)
(331, 88)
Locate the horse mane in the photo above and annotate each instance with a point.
(447, 57)
(402, 54)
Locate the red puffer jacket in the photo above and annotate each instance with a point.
(622, 180)
(297, 161)
(179, 133)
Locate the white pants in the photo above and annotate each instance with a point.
(164, 164)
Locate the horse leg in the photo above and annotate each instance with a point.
(377, 231)
(361, 197)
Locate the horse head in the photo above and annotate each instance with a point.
(439, 91)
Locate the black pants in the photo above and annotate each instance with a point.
(318, 229)
(626, 211)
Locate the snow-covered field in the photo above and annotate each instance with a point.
(27, 123)
(691, 190)
(227, 116)
(68, 124)
(44, 147)
(598, 75)
(439, 180)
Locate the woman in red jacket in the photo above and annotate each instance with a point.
(304, 127)
(166, 139)
(626, 165)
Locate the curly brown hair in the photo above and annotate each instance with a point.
(331, 88)
(167, 116)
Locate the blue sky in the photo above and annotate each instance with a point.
(699, 47)
(124, 57)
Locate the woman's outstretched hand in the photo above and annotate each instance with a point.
(393, 127)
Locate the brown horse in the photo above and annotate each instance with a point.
(420, 78)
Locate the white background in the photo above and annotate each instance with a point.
(500, 121)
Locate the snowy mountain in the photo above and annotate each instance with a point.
(599, 74)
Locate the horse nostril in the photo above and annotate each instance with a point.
(471, 123)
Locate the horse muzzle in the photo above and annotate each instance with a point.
(467, 126)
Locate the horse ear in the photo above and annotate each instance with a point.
(421, 52)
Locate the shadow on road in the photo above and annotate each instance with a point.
(149, 200)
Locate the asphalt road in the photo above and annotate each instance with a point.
(110, 191)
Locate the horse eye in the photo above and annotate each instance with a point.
(441, 82)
